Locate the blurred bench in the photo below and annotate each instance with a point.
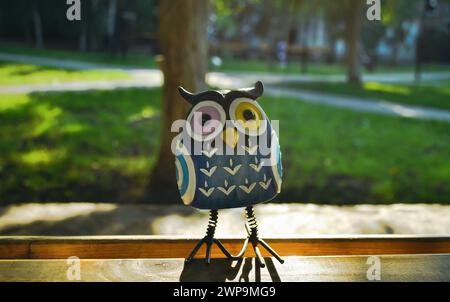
(156, 258)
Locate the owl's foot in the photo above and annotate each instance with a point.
(253, 238)
(209, 240)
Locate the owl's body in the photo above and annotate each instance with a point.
(215, 180)
(229, 181)
(213, 177)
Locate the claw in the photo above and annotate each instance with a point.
(259, 256)
(271, 251)
(252, 231)
(222, 248)
(194, 251)
(208, 252)
(209, 240)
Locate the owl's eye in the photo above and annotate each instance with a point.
(205, 121)
(205, 118)
(248, 116)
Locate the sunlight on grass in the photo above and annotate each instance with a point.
(48, 118)
(25, 74)
(427, 94)
(72, 128)
(129, 165)
(12, 101)
(78, 146)
(381, 87)
(41, 156)
(345, 156)
(146, 113)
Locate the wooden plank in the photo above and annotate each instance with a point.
(122, 247)
(337, 268)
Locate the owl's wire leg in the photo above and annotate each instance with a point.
(252, 231)
(209, 240)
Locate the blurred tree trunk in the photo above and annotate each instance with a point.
(95, 25)
(111, 23)
(331, 56)
(394, 54)
(184, 44)
(304, 44)
(37, 24)
(82, 40)
(353, 29)
(84, 27)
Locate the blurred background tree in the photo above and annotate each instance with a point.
(183, 41)
(353, 30)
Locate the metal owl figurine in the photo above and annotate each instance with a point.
(228, 156)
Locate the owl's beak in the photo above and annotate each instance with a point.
(230, 137)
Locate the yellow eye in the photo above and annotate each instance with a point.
(248, 116)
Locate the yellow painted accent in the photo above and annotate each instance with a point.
(230, 136)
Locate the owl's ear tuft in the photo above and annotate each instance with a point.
(259, 88)
(256, 91)
(194, 99)
(189, 97)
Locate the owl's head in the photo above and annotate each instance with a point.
(231, 115)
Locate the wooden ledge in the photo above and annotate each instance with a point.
(337, 268)
(135, 247)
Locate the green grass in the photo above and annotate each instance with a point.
(95, 146)
(340, 156)
(101, 145)
(132, 60)
(264, 67)
(24, 74)
(313, 68)
(430, 95)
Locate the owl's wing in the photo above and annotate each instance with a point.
(275, 159)
(185, 173)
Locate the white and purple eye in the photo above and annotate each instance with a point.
(205, 121)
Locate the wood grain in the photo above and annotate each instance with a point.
(123, 247)
(338, 268)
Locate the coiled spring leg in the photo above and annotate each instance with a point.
(252, 231)
(209, 240)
